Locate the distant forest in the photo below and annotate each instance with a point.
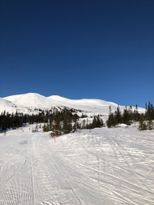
(57, 121)
(66, 120)
(130, 115)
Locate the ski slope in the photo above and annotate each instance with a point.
(97, 167)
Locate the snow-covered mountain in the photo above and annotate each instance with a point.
(89, 105)
(7, 105)
(10, 107)
(30, 102)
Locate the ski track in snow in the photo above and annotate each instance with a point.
(97, 167)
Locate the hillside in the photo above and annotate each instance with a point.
(32, 102)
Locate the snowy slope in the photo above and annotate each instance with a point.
(90, 105)
(30, 100)
(34, 101)
(11, 107)
(6, 105)
(98, 167)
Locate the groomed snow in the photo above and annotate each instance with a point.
(98, 167)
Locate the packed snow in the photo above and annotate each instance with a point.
(90, 167)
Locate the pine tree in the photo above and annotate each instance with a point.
(126, 117)
(111, 121)
(142, 123)
(150, 125)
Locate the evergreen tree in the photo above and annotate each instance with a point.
(126, 117)
(142, 123)
(111, 121)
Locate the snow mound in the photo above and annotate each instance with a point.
(121, 125)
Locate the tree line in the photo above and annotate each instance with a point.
(58, 121)
(15, 120)
(63, 121)
(130, 115)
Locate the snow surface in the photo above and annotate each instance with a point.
(32, 101)
(7, 105)
(98, 167)
(10, 107)
(91, 105)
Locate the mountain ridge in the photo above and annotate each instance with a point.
(30, 102)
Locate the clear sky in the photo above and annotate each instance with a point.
(78, 49)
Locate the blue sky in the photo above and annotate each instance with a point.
(78, 49)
